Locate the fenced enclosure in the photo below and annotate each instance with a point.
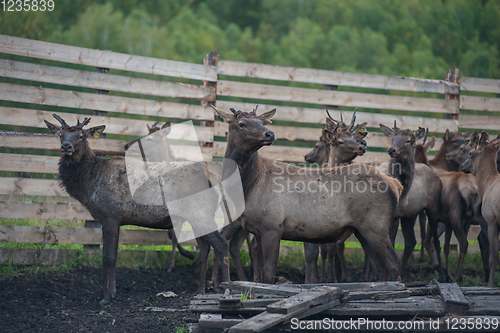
(127, 92)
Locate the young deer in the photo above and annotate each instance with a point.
(275, 211)
(102, 186)
(483, 164)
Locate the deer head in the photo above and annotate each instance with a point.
(247, 130)
(403, 140)
(74, 138)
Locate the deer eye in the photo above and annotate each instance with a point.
(81, 135)
(241, 124)
(409, 141)
(341, 142)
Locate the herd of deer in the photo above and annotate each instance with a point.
(323, 205)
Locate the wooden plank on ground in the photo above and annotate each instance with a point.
(318, 116)
(61, 235)
(331, 97)
(271, 72)
(305, 300)
(359, 286)
(35, 118)
(110, 82)
(454, 298)
(105, 59)
(479, 103)
(479, 84)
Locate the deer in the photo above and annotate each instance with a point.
(421, 189)
(164, 155)
(482, 162)
(274, 211)
(460, 202)
(451, 141)
(233, 232)
(338, 145)
(102, 186)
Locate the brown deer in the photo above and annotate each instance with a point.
(233, 232)
(339, 144)
(164, 155)
(275, 210)
(451, 141)
(483, 164)
(102, 186)
(421, 189)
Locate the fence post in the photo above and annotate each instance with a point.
(211, 59)
(92, 223)
(453, 76)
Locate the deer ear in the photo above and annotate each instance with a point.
(360, 133)
(330, 124)
(420, 133)
(328, 136)
(166, 128)
(474, 138)
(54, 129)
(266, 116)
(387, 130)
(227, 117)
(430, 144)
(446, 135)
(94, 132)
(483, 140)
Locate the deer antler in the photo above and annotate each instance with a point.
(83, 123)
(425, 136)
(353, 120)
(235, 112)
(59, 119)
(395, 126)
(254, 111)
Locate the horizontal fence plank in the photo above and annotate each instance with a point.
(479, 103)
(479, 84)
(105, 59)
(479, 122)
(318, 116)
(312, 134)
(104, 146)
(43, 210)
(331, 97)
(29, 163)
(271, 72)
(86, 79)
(61, 235)
(296, 154)
(32, 186)
(80, 100)
(35, 118)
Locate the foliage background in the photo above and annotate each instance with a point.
(418, 38)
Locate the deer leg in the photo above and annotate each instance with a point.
(221, 251)
(235, 244)
(447, 237)
(110, 235)
(407, 227)
(171, 259)
(331, 275)
(493, 240)
(203, 257)
(253, 247)
(324, 255)
(341, 275)
(484, 246)
(461, 235)
(422, 219)
(311, 253)
(270, 247)
(393, 230)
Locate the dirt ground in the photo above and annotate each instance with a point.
(69, 302)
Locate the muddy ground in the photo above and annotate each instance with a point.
(69, 301)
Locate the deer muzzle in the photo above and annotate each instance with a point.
(67, 149)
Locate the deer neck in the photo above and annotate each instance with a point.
(486, 169)
(248, 163)
(403, 169)
(441, 162)
(75, 175)
(338, 159)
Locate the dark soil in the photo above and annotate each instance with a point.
(69, 301)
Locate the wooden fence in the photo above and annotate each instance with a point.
(127, 92)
